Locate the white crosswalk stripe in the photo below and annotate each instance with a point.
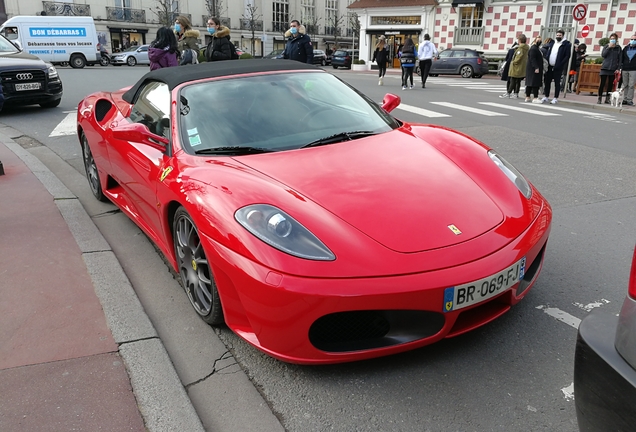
(68, 126)
(421, 111)
(470, 109)
(520, 109)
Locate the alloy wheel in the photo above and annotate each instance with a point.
(91, 171)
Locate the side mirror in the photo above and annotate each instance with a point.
(139, 133)
(390, 102)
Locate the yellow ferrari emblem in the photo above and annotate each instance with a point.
(454, 229)
(194, 265)
(164, 174)
(449, 306)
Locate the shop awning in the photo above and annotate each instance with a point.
(467, 3)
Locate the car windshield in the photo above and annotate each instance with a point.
(276, 112)
(341, 53)
(6, 46)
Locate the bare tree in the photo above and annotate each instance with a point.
(251, 16)
(311, 25)
(164, 12)
(336, 22)
(214, 7)
(354, 23)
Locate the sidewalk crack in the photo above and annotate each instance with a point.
(138, 340)
(226, 355)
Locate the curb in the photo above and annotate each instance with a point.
(161, 398)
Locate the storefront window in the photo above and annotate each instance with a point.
(395, 20)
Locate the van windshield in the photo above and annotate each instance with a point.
(6, 46)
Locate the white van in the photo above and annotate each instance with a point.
(56, 39)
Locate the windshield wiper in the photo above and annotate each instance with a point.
(238, 150)
(339, 137)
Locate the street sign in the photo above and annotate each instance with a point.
(585, 31)
(579, 12)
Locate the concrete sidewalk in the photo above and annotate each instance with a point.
(77, 350)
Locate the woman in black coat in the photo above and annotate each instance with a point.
(611, 63)
(534, 71)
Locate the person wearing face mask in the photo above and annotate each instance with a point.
(298, 46)
(219, 47)
(534, 71)
(558, 56)
(186, 36)
(629, 70)
(579, 58)
(611, 54)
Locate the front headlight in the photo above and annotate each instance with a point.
(279, 230)
(512, 173)
(52, 71)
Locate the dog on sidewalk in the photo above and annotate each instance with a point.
(616, 99)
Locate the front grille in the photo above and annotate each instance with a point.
(362, 330)
(11, 78)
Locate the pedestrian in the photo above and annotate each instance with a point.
(426, 53)
(219, 47)
(628, 65)
(579, 58)
(380, 56)
(407, 60)
(187, 38)
(517, 71)
(163, 50)
(612, 55)
(534, 71)
(558, 56)
(299, 45)
(506, 68)
(545, 48)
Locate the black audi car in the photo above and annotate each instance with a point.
(26, 79)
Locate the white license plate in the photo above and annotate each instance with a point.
(461, 296)
(28, 86)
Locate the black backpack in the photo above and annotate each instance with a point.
(233, 55)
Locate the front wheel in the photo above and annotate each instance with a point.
(131, 61)
(194, 269)
(91, 170)
(466, 71)
(323, 62)
(104, 61)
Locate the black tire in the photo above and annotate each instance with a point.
(78, 61)
(433, 75)
(323, 62)
(466, 71)
(335, 67)
(477, 76)
(131, 61)
(417, 70)
(104, 61)
(52, 104)
(92, 173)
(196, 275)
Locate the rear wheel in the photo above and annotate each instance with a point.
(91, 170)
(131, 61)
(78, 61)
(194, 269)
(466, 71)
(335, 67)
(104, 61)
(323, 62)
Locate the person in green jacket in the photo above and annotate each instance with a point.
(187, 37)
(517, 71)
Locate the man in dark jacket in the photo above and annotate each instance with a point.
(298, 46)
(629, 70)
(558, 56)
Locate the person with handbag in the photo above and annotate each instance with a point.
(612, 56)
(407, 60)
(186, 40)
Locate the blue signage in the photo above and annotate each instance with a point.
(49, 32)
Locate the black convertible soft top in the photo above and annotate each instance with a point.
(174, 76)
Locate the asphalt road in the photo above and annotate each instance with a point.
(514, 374)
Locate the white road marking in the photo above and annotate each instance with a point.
(470, 109)
(592, 305)
(575, 111)
(68, 126)
(568, 392)
(516, 108)
(421, 111)
(561, 316)
(472, 87)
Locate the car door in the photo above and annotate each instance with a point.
(441, 65)
(142, 55)
(138, 167)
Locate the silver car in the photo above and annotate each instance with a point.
(605, 367)
(132, 56)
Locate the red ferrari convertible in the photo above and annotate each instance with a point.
(301, 214)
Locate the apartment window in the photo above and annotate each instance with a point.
(471, 17)
(308, 16)
(561, 13)
(331, 17)
(280, 17)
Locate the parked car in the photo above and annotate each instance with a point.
(266, 233)
(27, 79)
(343, 58)
(459, 61)
(320, 57)
(132, 56)
(276, 54)
(605, 367)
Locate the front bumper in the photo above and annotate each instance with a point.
(604, 383)
(53, 91)
(118, 61)
(332, 320)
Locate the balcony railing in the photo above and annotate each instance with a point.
(245, 25)
(65, 9)
(173, 17)
(126, 14)
(225, 22)
(468, 36)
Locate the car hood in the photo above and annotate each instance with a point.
(21, 60)
(394, 187)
